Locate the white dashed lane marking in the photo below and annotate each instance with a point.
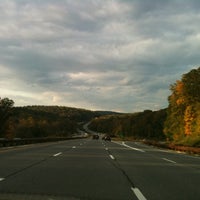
(112, 157)
(171, 161)
(138, 194)
(57, 154)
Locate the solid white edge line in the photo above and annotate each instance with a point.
(57, 154)
(171, 161)
(1, 179)
(138, 194)
(123, 143)
(112, 157)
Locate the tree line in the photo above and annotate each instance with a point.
(147, 124)
(42, 121)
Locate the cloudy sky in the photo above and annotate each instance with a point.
(118, 55)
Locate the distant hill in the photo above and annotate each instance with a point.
(147, 124)
(47, 121)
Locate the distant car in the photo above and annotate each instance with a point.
(95, 137)
(106, 138)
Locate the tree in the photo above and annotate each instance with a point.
(191, 82)
(5, 105)
(183, 110)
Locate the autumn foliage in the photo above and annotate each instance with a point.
(182, 123)
(44, 121)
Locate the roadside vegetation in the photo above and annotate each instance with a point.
(5, 111)
(182, 125)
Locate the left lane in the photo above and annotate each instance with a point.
(16, 159)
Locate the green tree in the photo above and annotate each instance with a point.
(5, 106)
(191, 82)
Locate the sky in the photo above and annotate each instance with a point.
(116, 55)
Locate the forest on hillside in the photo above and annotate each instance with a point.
(42, 121)
(147, 124)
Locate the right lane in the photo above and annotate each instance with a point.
(159, 174)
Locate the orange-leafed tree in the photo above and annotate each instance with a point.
(183, 109)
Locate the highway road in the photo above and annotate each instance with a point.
(97, 170)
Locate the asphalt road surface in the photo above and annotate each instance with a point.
(97, 170)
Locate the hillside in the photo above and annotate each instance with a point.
(46, 121)
(147, 124)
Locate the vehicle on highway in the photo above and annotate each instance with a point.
(106, 138)
(95, 137)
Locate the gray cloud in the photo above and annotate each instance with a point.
(97, 54)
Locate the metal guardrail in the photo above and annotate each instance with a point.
(18, 141)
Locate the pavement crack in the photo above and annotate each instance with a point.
(25, 168)
(116, 164)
